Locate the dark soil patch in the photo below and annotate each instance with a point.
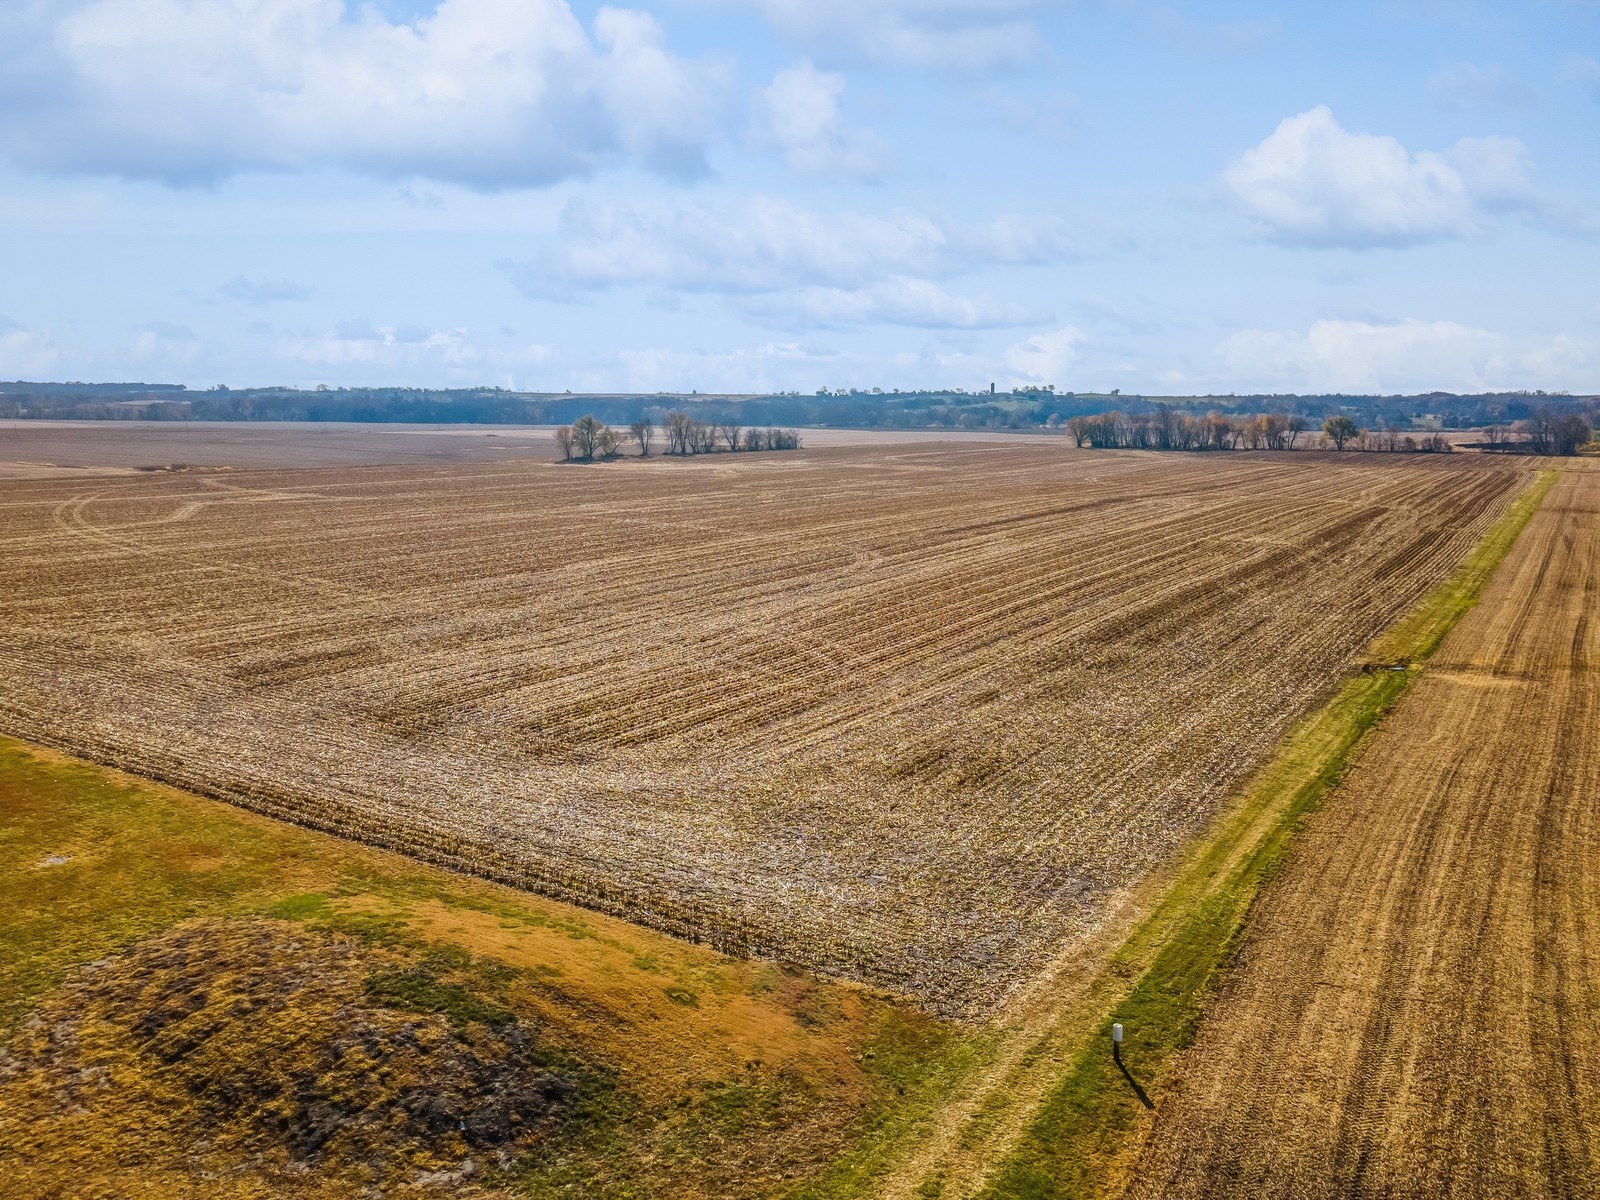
(292, 1049)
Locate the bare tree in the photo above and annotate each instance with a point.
(729, 429)
(1253, 432)
(588, 436)
(1297, 426)
(564, 440)
(1275, 430)
(642, 431)
(679, 428)
(1078, 427)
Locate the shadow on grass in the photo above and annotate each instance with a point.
(1116, 1056)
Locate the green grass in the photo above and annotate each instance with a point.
(918, 1067)
(1086, 1134)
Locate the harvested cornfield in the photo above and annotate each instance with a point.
(904, 714)
(1413, 1011)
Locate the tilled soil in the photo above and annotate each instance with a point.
(904, 714)
(1415, 1010)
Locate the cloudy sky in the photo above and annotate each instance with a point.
(745, 195)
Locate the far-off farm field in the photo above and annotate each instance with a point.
(910, 715)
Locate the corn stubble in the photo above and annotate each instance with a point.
(904, 715)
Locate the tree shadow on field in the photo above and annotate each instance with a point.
(1116, 1056)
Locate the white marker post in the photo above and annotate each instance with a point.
(1116, 1041)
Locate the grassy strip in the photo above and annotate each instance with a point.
(1085, 1136)
(924, 1082)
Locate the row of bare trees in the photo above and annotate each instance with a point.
(588, 438)
(1170, 429)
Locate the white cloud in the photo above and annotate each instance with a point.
(1463, 84)
(773, 256)
(25, 353)
(1314, 183)
(799, 114)
(489, 93)
(1046, 357)
(774, 366)
(263, 291)
(360, 343)
(163, 344)
(1407, 356)
(960, 35)
(914, 302)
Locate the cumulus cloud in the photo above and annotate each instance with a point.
(488, 93)
(1046, 357)
(1405, 356)
(799, 114)
(960, 35)
(770, 255)
(1314, 183)
(1462, 85)
(25, 353)
(263, 291)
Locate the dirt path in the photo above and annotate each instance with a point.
(1416, 1006)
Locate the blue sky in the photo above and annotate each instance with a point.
(791, 194)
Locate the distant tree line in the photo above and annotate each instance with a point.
(589, 438)
(955, 408)
(1168, 428)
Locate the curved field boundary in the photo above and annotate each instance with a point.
(1049, 1113)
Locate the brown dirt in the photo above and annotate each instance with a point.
(904, 714)
(1413, 1009)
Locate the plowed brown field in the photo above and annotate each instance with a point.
(1416, 1007)
(907, 714)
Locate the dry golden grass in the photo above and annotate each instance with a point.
(1413, 1010)
(906, 714)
